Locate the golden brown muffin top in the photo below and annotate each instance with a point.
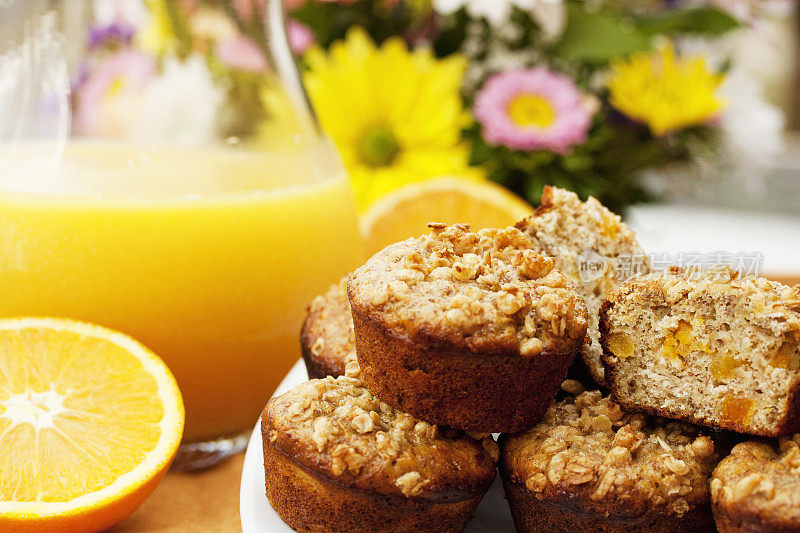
(577, 234)
(328, 328)
(761, 297)
(760, 480)
(486, 292)
(586, 447)
(336, 427)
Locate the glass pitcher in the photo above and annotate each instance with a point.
(164, 175)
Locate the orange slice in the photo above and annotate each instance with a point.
(404, 213)
(89, 423)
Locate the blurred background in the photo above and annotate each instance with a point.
(718, 128)
(678, 102)
(683, 103)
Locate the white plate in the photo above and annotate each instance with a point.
(257, 515)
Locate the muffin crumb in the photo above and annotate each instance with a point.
(722, 351)
(571, 231)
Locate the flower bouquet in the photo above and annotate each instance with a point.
(586, 95)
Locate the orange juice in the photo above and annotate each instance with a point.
(208, 257)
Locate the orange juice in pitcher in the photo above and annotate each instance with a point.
(208, 257)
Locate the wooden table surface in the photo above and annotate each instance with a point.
(187, 503)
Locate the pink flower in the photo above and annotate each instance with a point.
(110, 90)
(241, 53)
(300, 36)
(532, 109)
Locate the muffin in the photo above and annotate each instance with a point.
(338, 459)
(593, 248)
(590, 466)
(708, 348)
(757, 488)
(469, 330)
(326, 339)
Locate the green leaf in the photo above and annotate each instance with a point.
(451, 35)
(576, 162)
(599, 37)
(705, 20)
(319, 17)
(481, 152)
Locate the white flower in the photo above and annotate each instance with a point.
(181, 104)
(213, 24)
(551, 17)
(751, 11)
(498, 11)
(752, 128)
(134, 12)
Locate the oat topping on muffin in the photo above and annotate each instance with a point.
(327, 337)
(483, 291)
(576, 234)
(587, 446)
(335, 425)
(707, 347)
(759, 483)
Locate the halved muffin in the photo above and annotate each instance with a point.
(590, 466)
(338, 459)
(708, 348)
(593, 248)
(469, 330)
(326, 339)
(757, 488)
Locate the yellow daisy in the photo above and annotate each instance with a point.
(158, 36)
(395, 115)
(665, 92)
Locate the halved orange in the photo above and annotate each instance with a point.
(90, 421)
(404, 212)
